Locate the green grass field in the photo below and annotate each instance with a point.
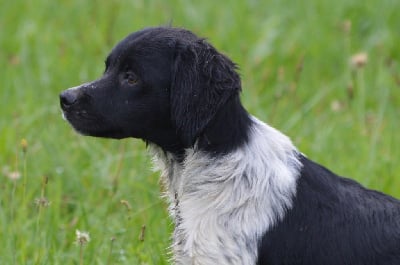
(295, 60)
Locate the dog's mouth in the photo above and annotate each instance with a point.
(85, 122)
(72, 115)
(77, 120)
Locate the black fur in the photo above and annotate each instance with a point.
(171, 88)
(334, 221)
(181, 84)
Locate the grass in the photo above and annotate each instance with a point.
(294, 58)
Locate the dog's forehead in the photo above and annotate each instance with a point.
(152, 39)
(137, 42)
(123, 47)
(156, 45)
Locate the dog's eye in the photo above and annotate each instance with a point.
(131, 78)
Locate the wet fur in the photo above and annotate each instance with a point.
(239, 191)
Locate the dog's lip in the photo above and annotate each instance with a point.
(63, 116)
(67, 111)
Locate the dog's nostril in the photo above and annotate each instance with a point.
(68, 98)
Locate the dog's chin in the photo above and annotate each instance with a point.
(97, 133)
(77, 127)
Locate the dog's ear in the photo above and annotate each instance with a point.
(202, 81)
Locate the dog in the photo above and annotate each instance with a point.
(239, 191)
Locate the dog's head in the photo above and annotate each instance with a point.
(163, 85)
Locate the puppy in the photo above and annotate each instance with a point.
(239, 191)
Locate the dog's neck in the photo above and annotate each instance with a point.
(227, 131)
(168, 142)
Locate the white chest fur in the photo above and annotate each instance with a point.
(223, 205)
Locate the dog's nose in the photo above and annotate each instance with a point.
(68, 97)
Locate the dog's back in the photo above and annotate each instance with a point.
(334, 220)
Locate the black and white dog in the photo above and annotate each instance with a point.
(239, 191)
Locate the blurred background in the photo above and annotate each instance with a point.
(326, 73)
